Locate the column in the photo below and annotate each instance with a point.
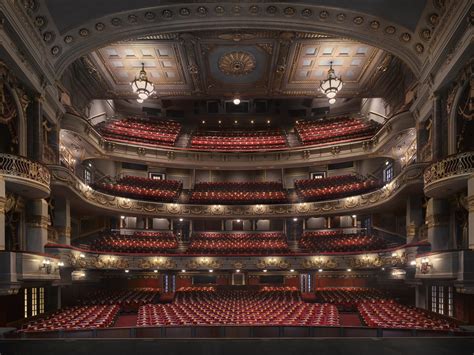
(58, 295)
(2, 213)
(37, 225)
(35, 130)
(62, 220)
(437, 128)
(437, 216)
(414, 217)
(470, 200)
(420, 296)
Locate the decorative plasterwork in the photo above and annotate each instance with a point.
(80, 259)
(237, 63)
(63, 177)
(66, 47)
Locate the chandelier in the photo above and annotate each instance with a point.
(331, 86)
(142, 86)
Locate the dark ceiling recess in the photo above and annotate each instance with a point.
(297, 113)
(243, 107)
(174, 113)
(320, 111)
(152, 111)
(213, 106)
(261, 106)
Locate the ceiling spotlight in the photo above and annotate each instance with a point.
(349, 270)
(140, 101)
(236, 101)
(292, 270)
(332, 101)
(354, 216)
(141, 85)
(238, 270)
(203, 122)
(331, 86)
(238, 221)
(183, 270)
(180, 219)
(155, 271)
(295, 219)
(211, 270)
(413, 262)
(220, 122)
(320, 270)
(127, 271)
(386, 162)
(268, 121)
(252, 122)
(236, 121)
(265, 270)
(383, 269)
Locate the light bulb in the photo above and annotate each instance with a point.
(236, 101)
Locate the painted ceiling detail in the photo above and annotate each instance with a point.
(259, 63)
(237, 63)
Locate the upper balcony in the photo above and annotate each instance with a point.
(448, 176)
(387, 142)
(391, 195)
(24, 176)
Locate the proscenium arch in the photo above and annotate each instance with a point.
(93, 39)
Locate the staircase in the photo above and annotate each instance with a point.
(184, 139)
(292, 139)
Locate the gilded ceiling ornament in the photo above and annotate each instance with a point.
(40, 22)
(358, 20)
(99, 26)
(184, 11)
(254, 9)
(306, 13)
(390, 30)
(272, 10)
(433, 19)
(83, 32)
(419, 48)
(48, 37)
(405, 37)
(289, 11)
(116, 21)
(150, 16)
(56, 50)
(167, 13)
(375, 25)
(425, 34)
(202, 10)
(323, 15)
(237, 63)
(219, 10)
(341, 17)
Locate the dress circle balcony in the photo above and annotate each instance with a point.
(24, 176)
(449, 175)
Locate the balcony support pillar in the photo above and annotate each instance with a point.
(470, 201)
(437, 128)
(2, 212)
(414, 217)
(438, 217)
(62, 220)
(37, 225)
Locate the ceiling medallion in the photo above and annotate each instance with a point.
(237, 63)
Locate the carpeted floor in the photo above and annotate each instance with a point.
(126, 320)
(350, 319)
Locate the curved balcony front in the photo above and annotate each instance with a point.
(448, 176)
(392, 194)
(371, 260)
(398, 129)
(24, 176)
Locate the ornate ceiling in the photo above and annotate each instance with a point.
(248, 63)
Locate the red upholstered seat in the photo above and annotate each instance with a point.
(139, 242)
(337, 241)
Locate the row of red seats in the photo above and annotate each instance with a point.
(237, 193)
(335, 130)
(150, 183)
(327, 181)
(141, 131)
(389, 314)
(140, 242)
(321, 242)
(313, 192)
(238, 140)
(348, 297)
(242, 243)
(167, 192)
(239, 186)
(128, 299)
(75, 318)
(238, 307)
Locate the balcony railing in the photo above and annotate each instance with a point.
(455, 165)
(17, 166)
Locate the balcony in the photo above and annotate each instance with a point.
(24, 176)
(448, 176)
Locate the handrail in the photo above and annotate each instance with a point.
(459, 164)
(16, 165)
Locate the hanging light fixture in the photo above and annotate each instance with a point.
(142, 86)
(331, 86)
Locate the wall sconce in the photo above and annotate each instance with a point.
(425, 266)
(46, 265)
